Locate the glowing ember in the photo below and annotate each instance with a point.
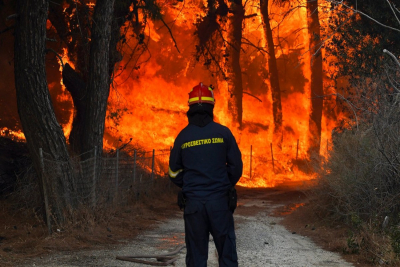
(15, 135)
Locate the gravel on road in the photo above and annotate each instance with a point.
(261, 242)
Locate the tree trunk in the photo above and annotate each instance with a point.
(233, 67)
(273, 74)
(35, 109)
(121, 11)
(316, 78)
(90, 96)
(98, 85)
(77, 83)
(77, 88)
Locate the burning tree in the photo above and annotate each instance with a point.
(94, 60)
(274, 74)
(211, 34)
(94, 54)
(317, 90)
(213, 38)
(233, 69)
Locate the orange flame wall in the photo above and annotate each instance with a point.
(155, 96)
(149, 104)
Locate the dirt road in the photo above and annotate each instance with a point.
(261, 241)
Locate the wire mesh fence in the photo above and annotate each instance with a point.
(99, 180)
(258, 159)
(114, 178)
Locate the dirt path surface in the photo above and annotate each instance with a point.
(261, 240)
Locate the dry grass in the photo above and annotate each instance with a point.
(359, 184)
(24, 234)
(358, 187)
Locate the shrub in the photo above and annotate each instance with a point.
(359, 183)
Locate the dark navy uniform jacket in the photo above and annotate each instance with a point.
(205, 161)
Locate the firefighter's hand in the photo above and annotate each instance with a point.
(232, 199)
(181, 200)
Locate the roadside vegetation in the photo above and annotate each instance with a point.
(359, 186)
(359, 181)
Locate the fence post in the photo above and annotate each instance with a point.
(46, 201)
(297, 150)
(251, 152)
(272, 156)
(94, 178)
(152, 166)
(134, 166)
(116, 174)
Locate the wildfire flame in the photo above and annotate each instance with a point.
(156, 98)
(15, 135)
(149, 104)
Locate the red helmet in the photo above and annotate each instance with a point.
(201, 94)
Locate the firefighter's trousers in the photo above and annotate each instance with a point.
(202, 218)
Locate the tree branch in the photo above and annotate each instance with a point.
(216, 62)
(250, 16)
(365, 15)
(248, 42)
(392, 56)
(252, 96)
(170, 32)
(394, 13)
(57, 55)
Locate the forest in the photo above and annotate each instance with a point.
(310, 90)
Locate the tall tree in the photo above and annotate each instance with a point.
(92, 38)
(92, 47)
(314, 33)
(82, 38)
(274, 74)
(221, 53)
(234, 72)
(98, 84)
(35, 109)
(34, 104)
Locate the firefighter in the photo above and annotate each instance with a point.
(206, 163)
